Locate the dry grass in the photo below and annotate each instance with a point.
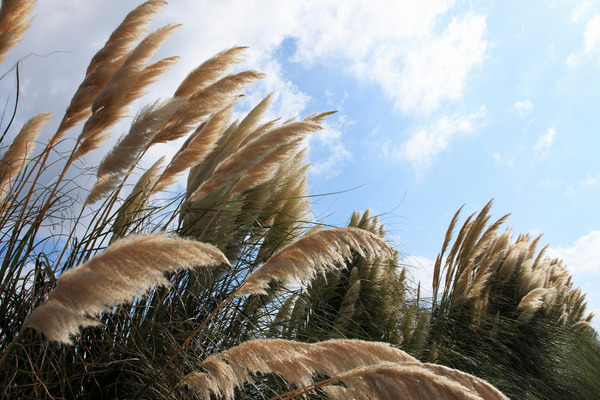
(368, 370)
(18, 154)
(317, 252)
(125, 270)
(163, 305)
(14, 21)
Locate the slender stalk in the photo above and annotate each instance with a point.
(12, 118)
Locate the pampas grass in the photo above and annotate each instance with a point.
(124, 86)
(134, 204)
(106, 62)
(14, 21)
(17, 155)
(315, 253)
(501, 297)
(125, 270)
(253, 163)
(369, 370)
(218, 288)
(196, 148)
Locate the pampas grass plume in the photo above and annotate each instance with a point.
(368, 369)
(13, 23)
(317, 252)
(16, 156)
(125, 270)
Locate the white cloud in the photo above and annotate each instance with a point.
(590, 182)
(419, 56)
(591, 42)
(579, 10)
(522, 107)
(420, 270)
(394, 44)
(419, 59)
(437, 71)
(591, 35)
(544, 143)
(329, 140)
(427, 142)
(583, 256)
(550, 183)
(573, 60)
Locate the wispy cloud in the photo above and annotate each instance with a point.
(591, 42)
(327, 141)
(589, 182)
(523, 108)
(583, 256)
(437, 71)
(395, 44)
(427, 142)
(591, 35)
(544, 143)
(579, 11)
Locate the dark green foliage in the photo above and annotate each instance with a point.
(482, 325)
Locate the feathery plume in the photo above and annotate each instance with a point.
(205, 102)
(230, 141)
(253, 158)
(415, 381)
(382, 371)
(131, 29)
(124, 86)
(296, 362)
(136, 201)
(529, 305)
(347, 308)
(196, 148)
(513, 261)
(106, 61)
(124, 271)
(318, 252)
(13, 23)
(124, 154)
(16, 156)
(209, 71)
(104, 184)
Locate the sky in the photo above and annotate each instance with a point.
(441, 103)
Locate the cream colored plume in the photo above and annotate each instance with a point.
(209, 71)
(204, 102)
(127, 84)
(134, 205)
(317, 252)
(416, 381)
(196, 148)
(106, 61)
(372, 370)
(14, 22)
(257, 160)
(125, 270)
(17, 155)
(127, 151)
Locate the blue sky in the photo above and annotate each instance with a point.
(440, 103)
